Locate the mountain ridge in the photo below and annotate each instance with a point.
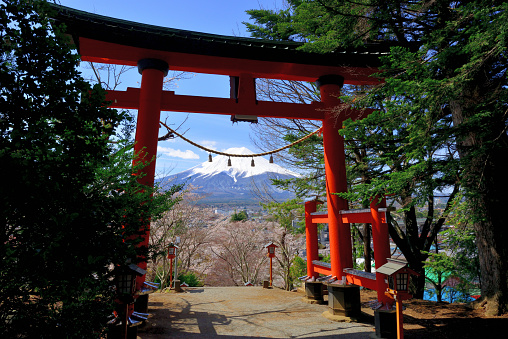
(239, 183)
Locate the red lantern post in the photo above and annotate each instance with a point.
(271, 253)
(397, 274)
(171, 255)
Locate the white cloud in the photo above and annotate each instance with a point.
(209, 144)
(176, 153)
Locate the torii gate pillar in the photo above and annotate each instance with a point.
(152, 73)
(335, 170)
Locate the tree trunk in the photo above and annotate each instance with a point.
(418, 281)
(492, 239)
(366, 248)
(486, 182)
(439, 287)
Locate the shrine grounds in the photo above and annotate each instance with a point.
(253, 312)
(242, 312)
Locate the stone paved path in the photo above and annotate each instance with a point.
(242, 312)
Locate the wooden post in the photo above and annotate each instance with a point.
(311, 238)
(170, 273)
(381, 240)
(125, 322)
(400, 318)
(152, 73)
(335, 169)
(271, 271)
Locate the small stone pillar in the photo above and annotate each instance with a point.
(344, 300)
(386, 323)
(314, 292)
(178, 289)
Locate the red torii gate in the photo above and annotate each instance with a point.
(155, 50)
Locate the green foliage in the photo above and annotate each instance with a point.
(285, 212)
(276, 25)
(70, 204)
(459, 262)
(191, 279)
(309, 156)
(298, 269)
(438, 268)
(461, 244)
(240, 216)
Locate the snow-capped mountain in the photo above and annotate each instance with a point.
(236, 183)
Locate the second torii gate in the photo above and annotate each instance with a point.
(155, 50)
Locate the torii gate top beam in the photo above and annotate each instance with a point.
(115, 41)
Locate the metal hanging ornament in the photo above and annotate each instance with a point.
(209, 157)
(252, 163)
(229, 162)
(271, 159)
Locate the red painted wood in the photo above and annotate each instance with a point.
(357, 218)
(311, 238)
(322, 270)
(196, 104)
(381, 240)
(170, 273)
(106, 52)
(147, 130)
(360, 218)
(361, 281)
(320, 219)
(271, 280)
(335, 169)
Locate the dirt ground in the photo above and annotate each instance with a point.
(253, 312)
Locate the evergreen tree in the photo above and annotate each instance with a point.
(446, 95)
(69, 204)
(240, 216)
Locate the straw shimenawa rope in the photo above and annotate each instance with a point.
(240, 155)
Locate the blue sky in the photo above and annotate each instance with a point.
(217, 17)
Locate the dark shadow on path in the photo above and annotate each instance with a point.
(166, 323)
(440, 328)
